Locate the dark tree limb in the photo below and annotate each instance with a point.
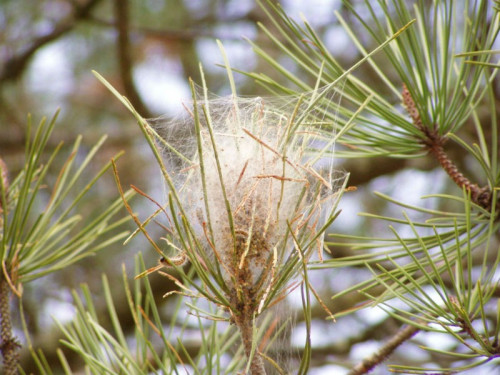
(176, 35)
(15, 66)
(125, 57)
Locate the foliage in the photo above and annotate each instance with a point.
(157, 347)
(40, 232)
(55, 238)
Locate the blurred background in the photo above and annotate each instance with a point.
(148, 49)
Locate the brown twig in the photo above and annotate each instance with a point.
(9, 347)
(435, 145)
(14, 67)
(125, 58)
(383, 353)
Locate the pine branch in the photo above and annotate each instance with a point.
(434, 143)
(377, 358)
(9, 347)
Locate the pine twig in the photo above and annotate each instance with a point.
(244, 307)
(435, 145)
(381, 355)
(8, 345)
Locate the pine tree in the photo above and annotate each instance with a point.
(252, 190)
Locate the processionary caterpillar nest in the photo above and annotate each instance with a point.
(250, 179)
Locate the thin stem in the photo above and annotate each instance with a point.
(8, 345)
